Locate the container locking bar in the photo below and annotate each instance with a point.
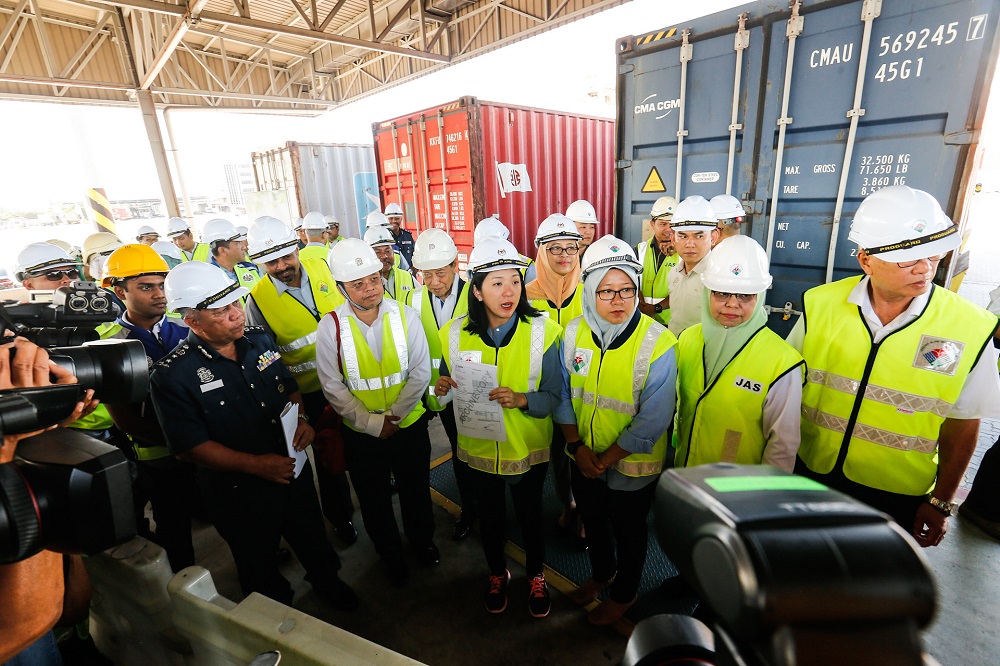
(686, 53)
(741, 43)
(785, 312)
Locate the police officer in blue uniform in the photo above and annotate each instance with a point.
(219, 397)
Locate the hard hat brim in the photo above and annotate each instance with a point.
(562, 235)
(431, 264)
(693, 225)
(228, 299)
(918, 252)
(276, 253)
(735, 285)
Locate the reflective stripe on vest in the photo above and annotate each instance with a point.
(304, 341)
(528, 438)
(875, 410)
(723, 422)
(605, 404)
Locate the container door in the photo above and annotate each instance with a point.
(394, 160)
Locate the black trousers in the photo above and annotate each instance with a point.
(173, 492)
(560, 464)
(252, 515)
(406, 456)
(617, 535)
(334, 489)
(463, 475)
(902, 508)
(984, 497)
(491, 496)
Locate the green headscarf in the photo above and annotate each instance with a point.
(722, 343)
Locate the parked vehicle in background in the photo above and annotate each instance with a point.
(6, 282)
(800, 114)
(453, 165)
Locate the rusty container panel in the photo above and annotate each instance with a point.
(443, 166)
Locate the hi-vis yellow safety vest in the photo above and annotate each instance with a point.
(247, 274)
(201, 252)
(654, 282)
(402, 285)
(419, 300)
(519, 368)
(314, 252)
(724, 420)
(375, 384)
(294, 325)
(877, 409)
(565, 315)
(605, 388)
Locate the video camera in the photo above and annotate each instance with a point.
(65, 491)
(793, 573)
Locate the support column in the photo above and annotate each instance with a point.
(152, 124)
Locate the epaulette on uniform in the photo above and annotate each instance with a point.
(255, 329)
(167, 360)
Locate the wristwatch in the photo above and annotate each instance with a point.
(657, 308)
(303, 417)
(947, 508)
(571, 447)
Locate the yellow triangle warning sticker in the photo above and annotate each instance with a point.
(653, 182)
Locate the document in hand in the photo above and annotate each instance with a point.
(290, 423)
(475, 414)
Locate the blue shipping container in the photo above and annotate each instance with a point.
(769, 102)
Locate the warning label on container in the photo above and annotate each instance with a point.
(653, 182)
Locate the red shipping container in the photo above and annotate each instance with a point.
(544, 159)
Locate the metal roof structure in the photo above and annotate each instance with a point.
(280, 55)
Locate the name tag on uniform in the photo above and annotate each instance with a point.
(471, 356)
(211, 386)
(938, 355)
(266, 359)
(748, 384)
(581, 361)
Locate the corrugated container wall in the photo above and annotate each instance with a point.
(333, 179)
(803, 112)
(559, 156)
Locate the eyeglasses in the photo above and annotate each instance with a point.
(556, 250)
(911, 264)
(724, 296)
(628, 293)
(56, 276)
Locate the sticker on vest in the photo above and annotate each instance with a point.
(748, 384)
(938, 354)
(266, 359)
(471, 356)
(323, 288)
(581, 361)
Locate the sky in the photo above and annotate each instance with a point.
(58, 151)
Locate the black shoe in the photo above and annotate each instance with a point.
(539, 603)
(462, 527)
(428, 556)
(339, 595)
(496, 593)
(346, 532)
(396, 572)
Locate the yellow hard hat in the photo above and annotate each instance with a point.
(132, 261)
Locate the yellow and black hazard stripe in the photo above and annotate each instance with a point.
(101, 208)
(655, 36)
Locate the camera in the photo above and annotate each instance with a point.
(791, 573)
(66, 491)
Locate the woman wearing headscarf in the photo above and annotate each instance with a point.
(557, 293)
(622, 372)
(739, 384)
(501, 329)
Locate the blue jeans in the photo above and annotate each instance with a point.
(42, 652)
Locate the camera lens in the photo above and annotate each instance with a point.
(117, 370)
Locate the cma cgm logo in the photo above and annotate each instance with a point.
(663, 106)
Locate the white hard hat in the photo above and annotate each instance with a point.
(41, 257)
(71, 250)
(556, 227)
(219, 230)
(899, 223)
(102, 242)
(242, 230)
(376, 236)
(491, 227)
(727, 207)
(352, 259)
(737, 265)
(582, 212)
(376, 219)
(663, 207)
(494, 254)
(199, 285)
(167, 249)
(393, 210)
(313, 221)
(176, 226)
(298, 224)
(270, 238)
(146, 230)
(433, 249)
(610, 252)
(694, 212)
(331, 220)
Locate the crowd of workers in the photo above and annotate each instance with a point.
(608, 363)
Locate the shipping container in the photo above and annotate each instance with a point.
(330, 178)
(801, 110)
(519, 163)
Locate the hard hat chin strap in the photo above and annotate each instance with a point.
(340, 286)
